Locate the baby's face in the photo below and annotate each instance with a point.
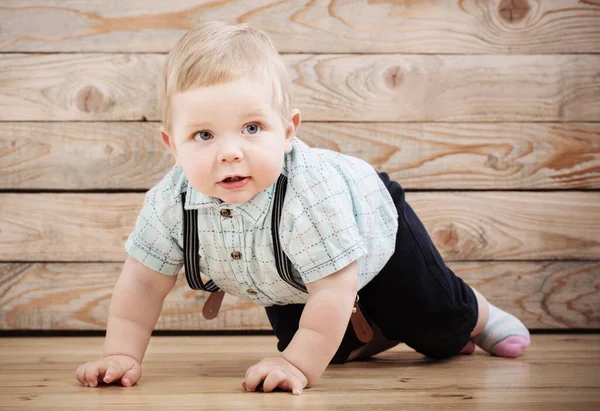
(229, 140)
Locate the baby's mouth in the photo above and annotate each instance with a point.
(234, 182)
(232, 179)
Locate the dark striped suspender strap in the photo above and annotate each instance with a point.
(190, 251)
(283, 263)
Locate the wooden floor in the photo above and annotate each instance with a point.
(558, 372)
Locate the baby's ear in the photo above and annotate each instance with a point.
(169, 142)
(291, 127)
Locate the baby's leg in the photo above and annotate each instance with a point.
(417, 298)
(497, 331)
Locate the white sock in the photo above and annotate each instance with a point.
(504, 334)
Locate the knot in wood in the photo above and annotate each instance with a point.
(513, 11)
(446, 237)
(497, 163)
(393, 77)
(91, 100)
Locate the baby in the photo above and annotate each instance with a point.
(329, 246)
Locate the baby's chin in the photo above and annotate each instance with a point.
(237, 198)
(235, 201)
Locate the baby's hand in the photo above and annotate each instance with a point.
(110, 369)
(275, 372)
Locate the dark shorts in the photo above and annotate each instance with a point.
(415, 298)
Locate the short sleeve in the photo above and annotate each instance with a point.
(318, 231)
(154, 241)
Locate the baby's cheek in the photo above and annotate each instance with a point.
(196, 164)
(270, 167)
(198, 174)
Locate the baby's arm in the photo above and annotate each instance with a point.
(322, 326)
(134, 310)
(323, 322)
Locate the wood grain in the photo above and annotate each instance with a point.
(357, 88)
(557, 373)
(59, 296)
(464, 226)
(80, 156)
(501, 156)
(381, 26)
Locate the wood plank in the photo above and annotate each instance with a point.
(106, 156)
(500, 26)
(327, 87)
(557, 373)
(83, 156)
(499, 156)
(464, 226)
(63, 296)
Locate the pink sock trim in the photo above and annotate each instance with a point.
(511, 346)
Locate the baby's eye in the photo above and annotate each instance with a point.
(253, 128)
(204, 135)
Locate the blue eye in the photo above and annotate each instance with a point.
(204, 135)
(253, 128)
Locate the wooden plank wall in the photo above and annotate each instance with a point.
(488, 113)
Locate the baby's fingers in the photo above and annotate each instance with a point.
(92, 371)
(131, 376)
(287, 383)
(254, 376)
(113, 373)
(80, 373)
(296, 385)
(274, 379)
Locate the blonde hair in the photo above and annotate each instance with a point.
(216, 53)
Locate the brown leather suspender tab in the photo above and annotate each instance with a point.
(362, 329)
(213, 304)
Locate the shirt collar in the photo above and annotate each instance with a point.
(253, 209)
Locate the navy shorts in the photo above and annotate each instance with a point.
(415, 298)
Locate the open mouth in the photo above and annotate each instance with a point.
(231, 183)
(232, 179)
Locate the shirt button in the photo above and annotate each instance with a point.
(251, 291)
(225, 212)
(236, 255)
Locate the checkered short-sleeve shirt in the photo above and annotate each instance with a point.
(336, 211)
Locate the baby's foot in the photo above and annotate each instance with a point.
(504, 335)
(469, 348)
(512, 346)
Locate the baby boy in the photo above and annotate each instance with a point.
(330, 247)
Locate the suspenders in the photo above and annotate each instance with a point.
(190, 244)
(190, 255)
(282, 262)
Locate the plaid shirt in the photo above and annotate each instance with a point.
(336, 211)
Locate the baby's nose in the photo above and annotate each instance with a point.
(230, 154)
(226, 159)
